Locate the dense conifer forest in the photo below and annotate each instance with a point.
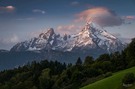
(55, 75)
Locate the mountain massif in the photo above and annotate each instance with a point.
(91, 37)
(92, 40)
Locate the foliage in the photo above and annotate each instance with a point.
(79, 61)
(55, 75)
(112, 82)
(129, 78)
(88, 61)
(108, 74)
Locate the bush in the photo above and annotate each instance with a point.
(129, 78)
(108, 74)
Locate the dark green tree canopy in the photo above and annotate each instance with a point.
(129, 78)
(88, 60)
(79, 61)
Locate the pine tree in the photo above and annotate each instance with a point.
(79, 61)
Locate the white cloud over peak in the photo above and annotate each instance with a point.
(101, 15)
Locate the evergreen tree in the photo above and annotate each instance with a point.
(88, 60)
(79, 61)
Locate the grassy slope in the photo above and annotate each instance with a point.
(133, 87)
(113, 82)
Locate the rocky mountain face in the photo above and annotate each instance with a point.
(91, 40)
(92, 37)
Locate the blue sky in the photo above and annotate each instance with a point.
(23, 19)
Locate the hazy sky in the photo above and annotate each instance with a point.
(23, 19)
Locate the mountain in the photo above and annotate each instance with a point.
(91, 37)
(91, 40)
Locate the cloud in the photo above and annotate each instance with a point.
(68, 29)
(7, 9)
(9, 40)
(130, 17)
(38, 11)
(101, 15)
(75, 3)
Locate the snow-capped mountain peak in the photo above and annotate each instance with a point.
(50, 31)
(92, 36)
(47, 34)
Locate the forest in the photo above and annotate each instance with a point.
(55, 75)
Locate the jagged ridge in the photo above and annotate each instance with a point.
(92, 36)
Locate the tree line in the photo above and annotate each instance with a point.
(55, 75)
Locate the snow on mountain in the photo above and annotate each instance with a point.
(92, 36)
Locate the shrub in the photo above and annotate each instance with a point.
(129, 78)
(108, 74)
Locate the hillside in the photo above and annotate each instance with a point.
(113, 82)
(47, 74)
